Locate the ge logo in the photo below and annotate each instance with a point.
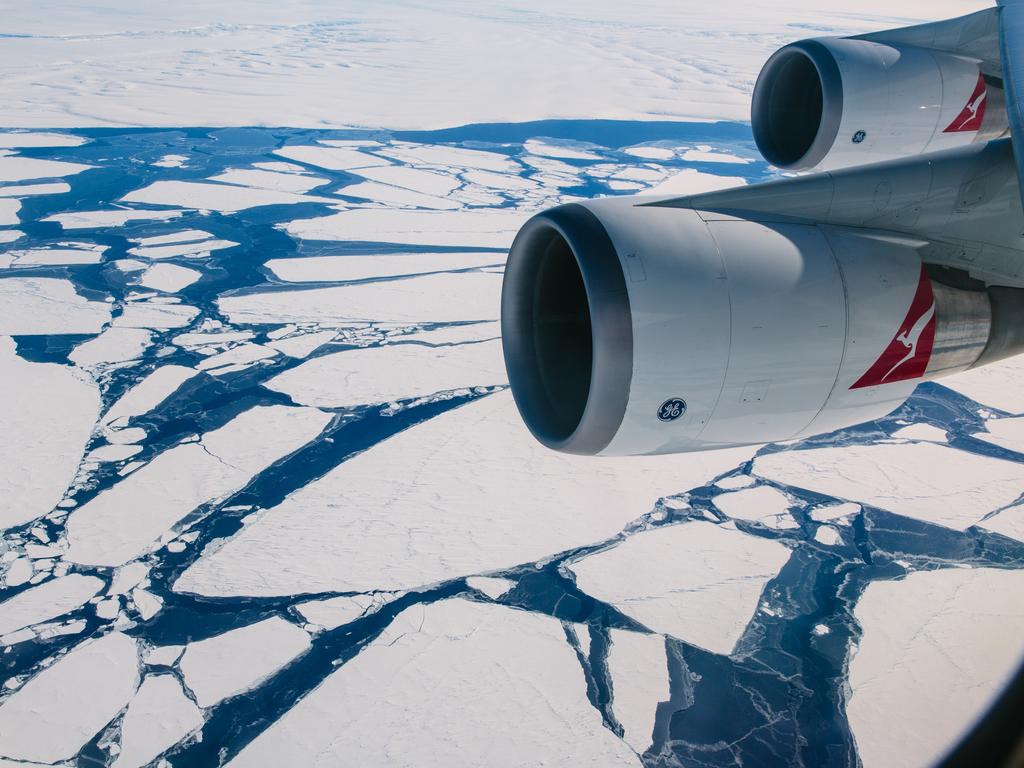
(859, 136)
(672, 409)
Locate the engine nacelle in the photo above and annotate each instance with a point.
(834, 102)
(639, 330)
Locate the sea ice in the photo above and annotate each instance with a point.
(934, 483)
(697, 581)
(763, 504)
(47, 305)
(169, 278)
(114, 345)
(16, 168)
(54, 714)
(47, 601)
(346, 268)
(470, 229)
(187, 250)
(331, 158)
(158, 717)
(225, 198)
(228, 664)
(494, 588)
(262, 179)
(1009, 522)
(334, 612)
(112, 218)
(123, 521)
(424, 182)
(392, 197)
(405, 696)
(639, 672)
(1006, 433)
(147, 314)
(44, 437)
(303, 345)
(477, 493)
(690, 181)
(921, 432)
(937, 646)
(440, 298)
(242, 355)
(17, 139)
(391, 372)
(993, 385)
(46, 257)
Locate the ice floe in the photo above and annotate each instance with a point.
(639, 674)
(440, 298)
(996, 386)
(17, 139)
(331, 158)
(301, 345)
(112, 218)
(158, 717)
(263, 179)
(934, 483)
(1006, 433)
(123, 521)
(514, 502)
(44, 437)
(404, 696)
(690, 181)
(114, 345)
(54, 714)
(921, 432)
(45, 305)
(697, 581)
(334, 612)
(169, 278)
(236, 358)
(225, 198)
(346, 268)
(16, 168)
(228, 664)
(494, 588)
(469, 229)
(937, 646)
(1009, 522)
(764, 505)
(391, 372)
(148, 314)
(47, 601)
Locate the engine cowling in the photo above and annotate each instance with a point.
(833, 102)
(631, 329)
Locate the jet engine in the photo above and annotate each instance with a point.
(641, 330)
(801, 305)
(834, 102)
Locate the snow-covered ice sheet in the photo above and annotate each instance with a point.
(43, 437)
(392, 372)
(228, 664)
(122, 522)
(52, 716)
(403, 697)
(698, 581)
(993, 385)
(922, 480)
(948, 638)
(514, 502)
(440, 298)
